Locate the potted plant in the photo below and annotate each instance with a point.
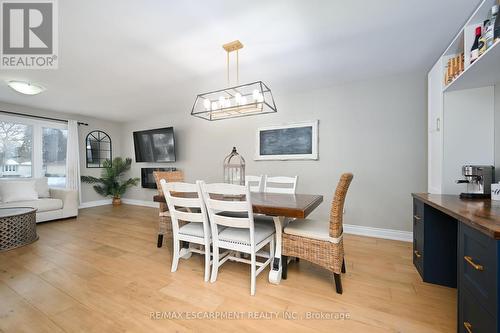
(111, 182)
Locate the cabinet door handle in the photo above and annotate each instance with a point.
(416, 217)
(473, 264)
(417, 254)
(438, 124)
(468, 326)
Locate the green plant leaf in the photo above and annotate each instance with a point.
(111, 178)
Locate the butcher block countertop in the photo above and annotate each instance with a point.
(481, 214)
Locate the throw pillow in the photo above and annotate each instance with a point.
(42, 187)
(18, 191)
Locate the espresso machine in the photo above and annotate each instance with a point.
(478, 179)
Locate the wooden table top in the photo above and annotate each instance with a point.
(481, 214)
(274, 204)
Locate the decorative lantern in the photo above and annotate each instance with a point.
(234, 168)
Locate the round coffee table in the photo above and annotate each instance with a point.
(17, 227)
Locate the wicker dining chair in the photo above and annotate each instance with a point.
(165, 224)
(318, 241)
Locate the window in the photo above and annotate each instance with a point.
(54, 142)
(16, 145)
(33, 148)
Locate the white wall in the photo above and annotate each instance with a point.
(468, 134)
(112, 128)
(375, 129)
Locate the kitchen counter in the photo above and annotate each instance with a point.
(480, 214)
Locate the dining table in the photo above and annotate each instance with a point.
(280, 208)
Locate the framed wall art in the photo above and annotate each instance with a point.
(298, 141)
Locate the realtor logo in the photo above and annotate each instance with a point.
(29, 34)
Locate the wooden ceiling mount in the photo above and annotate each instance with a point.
(233, 46)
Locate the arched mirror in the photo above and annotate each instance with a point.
(98, 149)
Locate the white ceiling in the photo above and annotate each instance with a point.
(123, 59)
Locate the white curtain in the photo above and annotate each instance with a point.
(73, 158)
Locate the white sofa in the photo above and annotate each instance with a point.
(58, 204)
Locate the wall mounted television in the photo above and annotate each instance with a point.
(156, 145)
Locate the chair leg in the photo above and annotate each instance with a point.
(207, 262)
(175, 255)
(343, 266)
(338, 283)
(160, 240)
(284, 267)
(253, 277)
(297, 259)
(215, 264)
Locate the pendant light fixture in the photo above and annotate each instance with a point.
(237, 101)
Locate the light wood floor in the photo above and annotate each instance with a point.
(103, 273)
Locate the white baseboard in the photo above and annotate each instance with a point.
(96, 203)
(405, 236)
(140, 203)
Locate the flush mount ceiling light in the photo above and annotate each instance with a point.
(238, 101)
(25, 88)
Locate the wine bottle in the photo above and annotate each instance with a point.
(474, 51)
(482, 40)
(489, 33)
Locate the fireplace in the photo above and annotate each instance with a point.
(147, 177)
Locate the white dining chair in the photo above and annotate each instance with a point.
(240, 234)
(280, 184)
(254, 182)
(191, 209)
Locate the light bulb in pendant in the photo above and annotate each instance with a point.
(222, 101)
(207, 104)
(237, 98)
(243, 100)
(214, 106)
(255, 94)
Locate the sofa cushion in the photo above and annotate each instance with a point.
(42, 205)
(41, 185)
(16, 191)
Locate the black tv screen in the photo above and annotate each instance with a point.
(155, 145)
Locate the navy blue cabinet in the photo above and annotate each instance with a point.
(452, 253)
(478, 281)
(434, 245)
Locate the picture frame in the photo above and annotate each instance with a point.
(296, 141)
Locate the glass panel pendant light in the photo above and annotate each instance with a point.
(238, 101)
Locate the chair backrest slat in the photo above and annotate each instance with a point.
(255, 183)
(287, 184)
(224, 199)
(188, 216)
(231, 221)
(186, 202)
(337, 209)
(230, 206)
(180, 204)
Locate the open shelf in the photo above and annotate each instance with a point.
(485, 71)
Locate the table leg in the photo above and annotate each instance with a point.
(275, 273)
(185, 253)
